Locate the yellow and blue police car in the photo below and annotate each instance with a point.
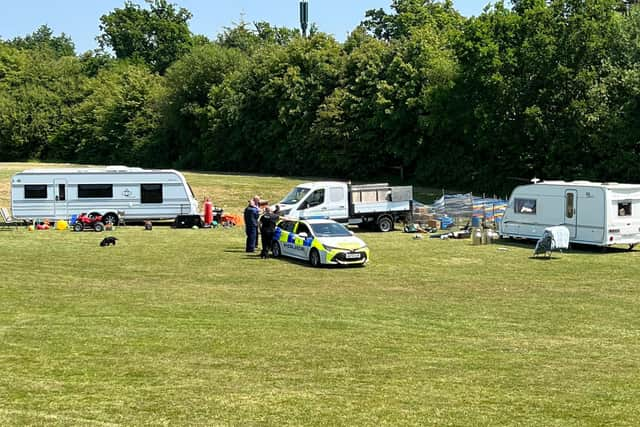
(319, 241)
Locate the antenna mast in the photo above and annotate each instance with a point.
(304, 16)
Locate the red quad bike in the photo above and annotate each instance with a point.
(84, 221)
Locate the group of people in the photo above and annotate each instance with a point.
(262, 221)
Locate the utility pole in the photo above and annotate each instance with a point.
(304, 16)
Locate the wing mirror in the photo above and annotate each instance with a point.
(303, 235)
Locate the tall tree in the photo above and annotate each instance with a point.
(43, 40)
(184, 108)
(157, 36)
(410, 15)
(37, 94)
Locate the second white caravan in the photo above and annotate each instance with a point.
(111, 191)
(601, 214)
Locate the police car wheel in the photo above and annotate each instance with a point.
(276, 249)
(314, 258)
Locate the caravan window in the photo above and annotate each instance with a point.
(525, 206)
(35, 191)
(624, 209)
(62, 192)
(151, 193)
(91, 191)
(570, 205)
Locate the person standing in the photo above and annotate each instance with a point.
(251, 214)
(268, 222)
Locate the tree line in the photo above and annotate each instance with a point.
(537, 88)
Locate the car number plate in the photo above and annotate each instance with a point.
(352, 256)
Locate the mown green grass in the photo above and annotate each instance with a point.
(181, 327)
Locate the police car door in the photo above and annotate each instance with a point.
(303, 234)
(286, 234)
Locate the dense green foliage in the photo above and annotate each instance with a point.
(545, 88)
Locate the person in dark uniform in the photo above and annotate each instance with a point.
(268, 222)
(251, 214)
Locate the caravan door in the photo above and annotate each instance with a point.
(571, 212)
(60, 209)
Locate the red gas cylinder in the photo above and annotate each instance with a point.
(208, 212)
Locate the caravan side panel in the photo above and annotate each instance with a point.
(590, 215)
(531, 209)
(140, 194)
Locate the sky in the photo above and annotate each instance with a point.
(80, 19)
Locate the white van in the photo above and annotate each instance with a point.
(110, 191)
(601, 214)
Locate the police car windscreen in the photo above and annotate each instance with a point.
(329, 230)
(295, 196)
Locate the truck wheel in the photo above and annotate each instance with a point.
(110, 218)
(385, 223)
(78, 226)
(276, 250)
(99, 227)
(314, 258)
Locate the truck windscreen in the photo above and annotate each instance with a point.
(295, 196)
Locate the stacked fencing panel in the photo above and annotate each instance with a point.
(467, 208)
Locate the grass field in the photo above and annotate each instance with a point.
(181, 327)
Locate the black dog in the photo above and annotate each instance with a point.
(108, 241)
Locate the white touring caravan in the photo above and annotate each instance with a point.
(601, 214)
(112, 191)
(376, 205)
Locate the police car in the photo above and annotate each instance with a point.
(320, 241)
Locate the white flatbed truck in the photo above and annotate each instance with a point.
(374, 205)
